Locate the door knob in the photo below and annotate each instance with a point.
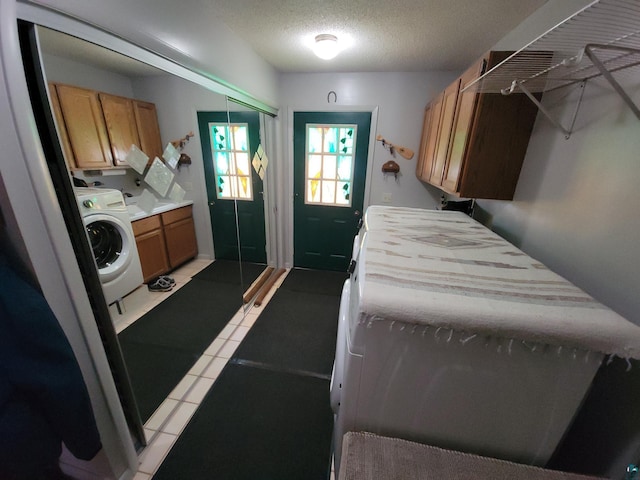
(212, 203)
(357, 213)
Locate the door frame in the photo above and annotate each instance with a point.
(286, 178)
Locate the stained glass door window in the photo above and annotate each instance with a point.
(231, 162)
(330, 153)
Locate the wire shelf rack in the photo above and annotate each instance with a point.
(600, 40)
(607, 30)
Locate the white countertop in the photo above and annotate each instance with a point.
(136, 213)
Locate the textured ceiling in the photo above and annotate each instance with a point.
(377, 35)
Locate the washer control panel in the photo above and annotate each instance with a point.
(98, 199)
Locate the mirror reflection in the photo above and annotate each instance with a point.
(236, 163)
(171, 186)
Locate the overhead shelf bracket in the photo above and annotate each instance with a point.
(567, 131)
(590, 51)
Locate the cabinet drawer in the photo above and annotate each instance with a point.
(175, 215)
(146, 225)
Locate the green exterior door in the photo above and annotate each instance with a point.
(330, 163)
(228, 147)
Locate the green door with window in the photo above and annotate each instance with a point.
(330, 163)
(233, 186)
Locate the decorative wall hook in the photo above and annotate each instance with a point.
(405, 152)
(180, 143)
(391, 167)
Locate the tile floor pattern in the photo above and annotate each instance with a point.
(167, 423)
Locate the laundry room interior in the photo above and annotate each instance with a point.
(252, 254)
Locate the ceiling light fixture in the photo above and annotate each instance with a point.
(326, 46)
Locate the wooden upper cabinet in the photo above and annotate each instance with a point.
(121, 125)
(422, 169)
(482, 140)
(85, 127)
(465, 110)
(432, 117)
(96, 129)
(61, 128)
(148, 128)
(449, 100)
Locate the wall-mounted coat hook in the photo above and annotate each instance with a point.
(335, 97)
(180, 143)
(405, 152)
(391, 167)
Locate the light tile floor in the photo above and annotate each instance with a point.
(168, 421)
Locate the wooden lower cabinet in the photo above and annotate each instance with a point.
(180, 235)
(165, 241)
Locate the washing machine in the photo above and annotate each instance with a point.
(108, 227)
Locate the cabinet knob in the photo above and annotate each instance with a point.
(357, 213)
(212, 203)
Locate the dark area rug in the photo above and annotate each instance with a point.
(228, 271)
(256, 425)
(154, 372)
(163, 344)
(189, 319)
(296, 331)
(319, 282)
(267, 416)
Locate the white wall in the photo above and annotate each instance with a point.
(575, 207)
(64, 70)
(400, 98)
(177, 103)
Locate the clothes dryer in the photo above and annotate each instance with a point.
(113, 244)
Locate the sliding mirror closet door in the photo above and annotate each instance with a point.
(129, 129)
(249, 165)
(257, 226)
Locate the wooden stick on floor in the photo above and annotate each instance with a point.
(253, 289)
(268, 286)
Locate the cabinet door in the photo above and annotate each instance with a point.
(181, 241)
(465, 112)
(152, 251)
(432, 140)
(85, 127)
(423, 141)
(121, 125)
(61, 128)
(429, 139)
(449, 101)
(148, 129)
